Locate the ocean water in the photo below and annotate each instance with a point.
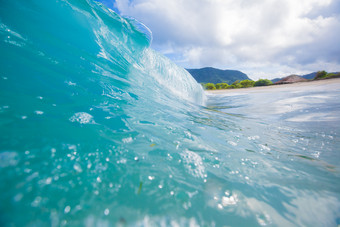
(98, 129)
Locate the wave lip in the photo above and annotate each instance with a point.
(142, 28)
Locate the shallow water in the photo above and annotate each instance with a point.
(292, 136)
(97, 129)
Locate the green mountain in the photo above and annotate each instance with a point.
(212, 75)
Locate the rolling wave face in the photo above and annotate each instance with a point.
(61, 58)
(84, 101)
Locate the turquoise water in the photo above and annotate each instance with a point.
(97, 129)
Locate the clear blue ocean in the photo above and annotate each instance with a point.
(98, 129)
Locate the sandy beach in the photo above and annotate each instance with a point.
(302, 85)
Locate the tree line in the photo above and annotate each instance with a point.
(238, 84)
(325, 75)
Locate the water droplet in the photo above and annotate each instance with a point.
(48, 180)
(78, 207)
(38, 112)
(18, 197)
(106, 211)
(263, 219)
(78, 168)
(36, 201)
(67, 209)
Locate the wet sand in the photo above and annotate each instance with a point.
(273, 88)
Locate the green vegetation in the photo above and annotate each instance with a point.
(222, 86)
(320, 75)
(247, 83)
(210, 86)
(324, 75)
(237, 84)
(263, 82)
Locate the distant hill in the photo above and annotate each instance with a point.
(309, 76)
(212, 75)
(291, 79)
(276, 79)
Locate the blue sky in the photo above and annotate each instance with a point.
(262, 38)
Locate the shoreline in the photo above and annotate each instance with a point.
(277, 87)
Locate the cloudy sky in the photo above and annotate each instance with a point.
(262, 38)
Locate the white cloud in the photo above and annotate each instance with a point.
(268, 36)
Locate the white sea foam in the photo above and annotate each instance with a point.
(82, 118)
(193, 163)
